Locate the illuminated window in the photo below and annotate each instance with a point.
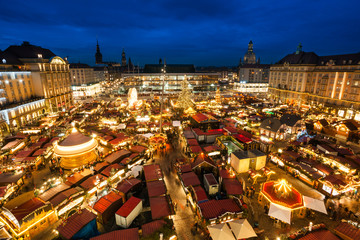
(40, 55)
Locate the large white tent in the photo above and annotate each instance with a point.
(221, 232)
(279, 212)
(314, 204)
(242, 229)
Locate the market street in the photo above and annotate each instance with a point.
(184, 217)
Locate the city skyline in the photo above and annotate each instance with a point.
(200, 33)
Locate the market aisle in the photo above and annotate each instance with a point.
(184, 217)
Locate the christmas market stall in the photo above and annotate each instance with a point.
(81, 225)
(282, 197)
(28, 219)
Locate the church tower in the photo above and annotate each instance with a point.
(250, 57)
(98, 55)
(123, 58)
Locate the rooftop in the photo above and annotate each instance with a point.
(75, 223)
(128, 206)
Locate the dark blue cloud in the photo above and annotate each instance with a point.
(200, 32)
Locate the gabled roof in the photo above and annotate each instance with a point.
(347, 230)
(151, 227)
(232, 186)
(190, 179)
(216, 208)
(126, 185)
(106, 201)
(61, 197)
(116, 156)
(185, 168)
(138, 149)
(152, 172)
(125, 234)
(202, 159)
(114, 166)
(195, 149)
(320, 235)
(156, 188)
(159, 207)
(75, 223)
(128, 206)
(290, 119)
(200, 194)
(100, 166)
(26, 208)
(52, 192)
(271, 124)
(91, 181)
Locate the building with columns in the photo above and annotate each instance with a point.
(304, 78)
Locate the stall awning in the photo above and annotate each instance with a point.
(314, 204)
(279, 212)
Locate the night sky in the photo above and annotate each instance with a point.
(200, 32)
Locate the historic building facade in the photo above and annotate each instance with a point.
(253, 76)
(332, 82)
(33, 80)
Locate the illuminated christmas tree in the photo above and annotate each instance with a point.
(184, 100)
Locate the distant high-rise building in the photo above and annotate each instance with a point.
(98, 55)
(305, 78)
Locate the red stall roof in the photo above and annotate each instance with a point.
(118, 140)
(232, 186)
(107, 170)
(224, 174)
(100, 166)
(200, 194)
(195, 149)
(347, 230)
(151, 227)
(126, 185)
(117, 156)
(128, 206)
(190, 178)
(26, 208)
(126, 234)
(242, 138)
(75, 223)
(215, 208)
(156, 188)
(106, 201)
(138, 149)
(159, 207)
(152, 172)
(185, 168)
(192, 142)
(320, 235)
